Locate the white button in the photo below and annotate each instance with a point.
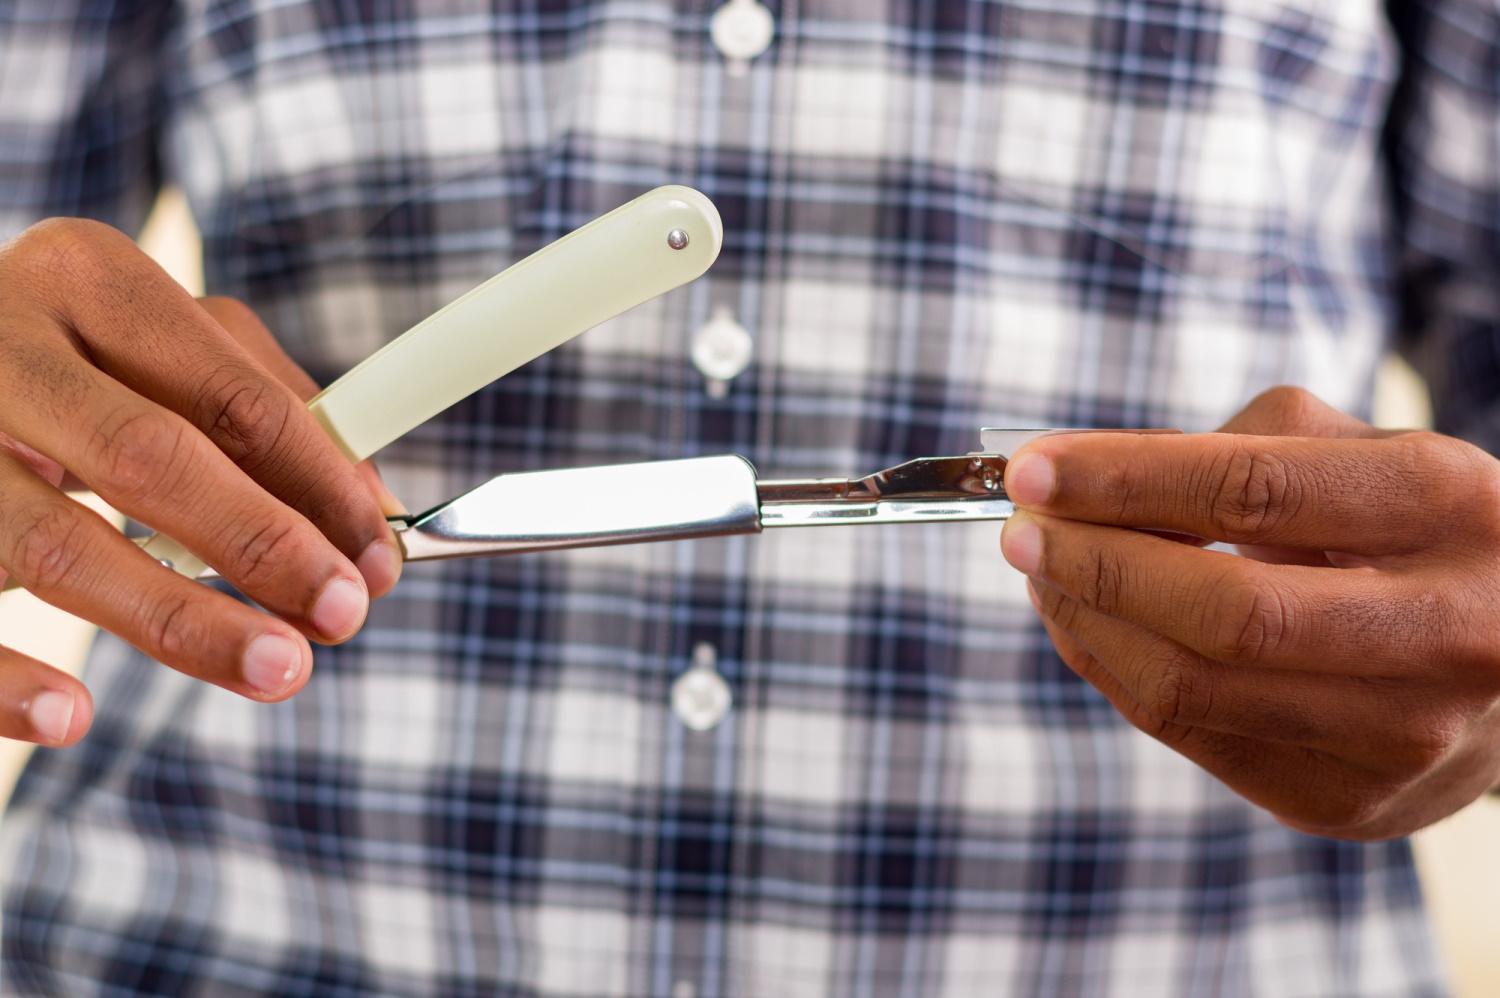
(721, 350)
(742, 30)
(700, 697)
(684, 989)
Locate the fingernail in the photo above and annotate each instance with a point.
(271, 663)
(380, 565)
(340, 610)
(1021, 543)
(51, 714)
(1029, 479)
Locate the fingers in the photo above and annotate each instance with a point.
(250, 333)
(1243, 762)
(1363, 721)
(1325, 754)
(150, 464)
(1227, 608)
(1170, 699)
(41, 704)
(251, 402)
(92, 303)
(72, 558)
(1366, 497)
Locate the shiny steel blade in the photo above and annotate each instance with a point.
(583, 507)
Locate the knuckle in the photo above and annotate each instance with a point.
(1253, 492)
(1350, 804)
(1102, 581)
(1284, 410)
(1292, 404)
(1121, 492)
(1248, 621)
(62, 249)
(1420, 750)
(1169, 733)
(244, 419)
(174, 632)
(1346, 799)
(130, 452)
(63, 235)
(44, 539)
(1442, 460)
(1182, 693)
(1425, 734)
(1456, 475)
(258, 557)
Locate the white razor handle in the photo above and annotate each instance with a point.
(659, 241)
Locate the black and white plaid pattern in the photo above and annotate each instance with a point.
(940, 214)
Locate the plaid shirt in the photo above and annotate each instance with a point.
(939, 215)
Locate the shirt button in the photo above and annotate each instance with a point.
(700, 697)
(742, 30)
(721, 350)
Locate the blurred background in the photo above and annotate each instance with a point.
(1459, 858)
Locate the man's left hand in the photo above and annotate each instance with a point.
(1345, 674)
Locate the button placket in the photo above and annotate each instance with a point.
(700, 696)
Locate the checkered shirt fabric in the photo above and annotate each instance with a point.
(940, 214)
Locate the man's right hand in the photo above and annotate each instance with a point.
(188, 417)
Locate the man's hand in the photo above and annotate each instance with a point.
(1346, 674)
(189, 418)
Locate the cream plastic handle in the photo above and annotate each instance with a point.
(661, 240)
(612, 264)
